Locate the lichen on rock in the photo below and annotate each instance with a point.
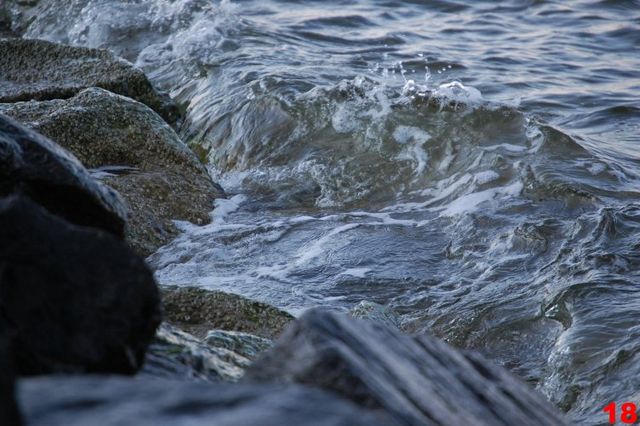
(135, 152)
(198, 311)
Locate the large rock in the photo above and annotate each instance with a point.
(81, 401)
(75, 299)
(137, 153)
(9, 414)
(418, 380)
(177, 354)
(33, 165)
(40, 70)
(198, 311)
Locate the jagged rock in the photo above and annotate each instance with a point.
(417, 380)
(136, 152)
(74, 299)
(33, 165)
(198, 311)
(244, 344)
(372, 311)
(176, 354)
(33, 69)
(81, 401)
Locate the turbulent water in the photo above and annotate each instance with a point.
(472, 164)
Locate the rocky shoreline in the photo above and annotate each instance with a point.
(92, 176)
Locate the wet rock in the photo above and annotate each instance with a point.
(33, 165)
(198, 311)
(417, 380)
(40, 70)
(372, 311)
(81, 401)
(176, 354)
(135, 152)
(74, 299)
(244, 344)
(9, 414)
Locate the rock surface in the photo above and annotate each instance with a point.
(33, 165)
(81, 401)
(40, 70)
(176, 354)
(417, 380)
(136, 152)
(9, 414)
(74, 299)
(198, 311)
(372, 311)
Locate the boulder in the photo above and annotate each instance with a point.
(179, 355)
(9, 414)
(33, 69)
(74, 299)
(243, 344)
(33, 165)
(198, 311)
(417, 380)
(130, 148)
(108, 401)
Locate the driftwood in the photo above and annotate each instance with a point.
(417, 380)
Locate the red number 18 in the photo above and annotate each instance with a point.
(628, 414)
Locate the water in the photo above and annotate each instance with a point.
(472, 164)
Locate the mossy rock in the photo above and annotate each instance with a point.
(198, 311)
(133, 150)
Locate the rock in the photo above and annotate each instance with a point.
(244, 344)
(74, 299)
(375, 312)
(81, 401)
(417, 380)
(136, 152)
(198, 310)
(40, 70)
(5, 21)
(9, 414)
(33, 165)
(176, 354)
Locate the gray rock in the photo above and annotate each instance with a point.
(417, 380)
(81, 401)
(372, 311)
(136, 152)
(33, 165)
(244, 344)
(73, 298)
(198, 311)
(176, 354)
(41, 70)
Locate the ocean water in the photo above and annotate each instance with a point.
(472, 164)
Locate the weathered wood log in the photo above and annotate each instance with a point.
(418, 380)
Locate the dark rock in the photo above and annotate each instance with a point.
(81, 401)
(40, 70)
(418, 380)
(198, 311)
(75, 299)
(158, 176)
(33, 165)
(9, 414)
